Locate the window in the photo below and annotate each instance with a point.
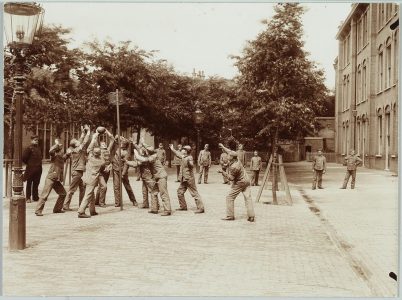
(359, 34)
(346, 51)
(359, 85)
(380, 70)
(396, 53)
(395, 128)
(347, 138)
(344, 96)
(388, 11)
(342, 140)
(358, 136)
(364, 82)
(382, 15)
(388, 65)
(365, 29)
(379, 127)
(348, 90)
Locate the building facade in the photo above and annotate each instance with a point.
(367, 85)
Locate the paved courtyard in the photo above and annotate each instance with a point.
(328, 243)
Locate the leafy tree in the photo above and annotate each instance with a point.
(281, 89)
(48, 84)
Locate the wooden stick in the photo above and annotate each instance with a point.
(264, 180)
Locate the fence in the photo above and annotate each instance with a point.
(330, 156)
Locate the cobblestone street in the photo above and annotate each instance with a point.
(289, 250)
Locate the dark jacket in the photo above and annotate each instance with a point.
(32, 157)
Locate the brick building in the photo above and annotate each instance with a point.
(367, 85)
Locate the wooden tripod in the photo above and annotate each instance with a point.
(273, 163)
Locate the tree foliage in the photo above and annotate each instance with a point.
(278, 93)
(281, 89)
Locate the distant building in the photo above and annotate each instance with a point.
(367, 85)
(323, 138)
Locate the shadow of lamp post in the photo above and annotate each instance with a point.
(22, 20)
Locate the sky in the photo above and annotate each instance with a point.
(196, 35)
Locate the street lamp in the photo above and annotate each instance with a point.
(198, 119)
(22, 20)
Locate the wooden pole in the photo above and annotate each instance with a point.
(284, 180)
(274, 179)
(264, 180)
(119, 149)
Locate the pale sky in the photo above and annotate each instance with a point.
(196, 35)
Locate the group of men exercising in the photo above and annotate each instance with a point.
(93, 161)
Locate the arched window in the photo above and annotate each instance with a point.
(388, 66)
(380, 69)
(379, 131)
(364, 81)
(359, 84)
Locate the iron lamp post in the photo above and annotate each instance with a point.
(198, 119)
(22, 20)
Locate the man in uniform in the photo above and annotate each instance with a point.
(177, 162)
(241, 184)
(148, 182)
(161, 154)
(32, 157)
(224, 162)
(241, 155)
(100, 198)
(78, 154)
(115, 167)
(187, 180)
(94, 168)
(255, 166)
(352, 161)
(319, 168)
(159, 173)
(54, 180)
(204, 162)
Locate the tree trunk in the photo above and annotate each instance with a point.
(138, 133)
(274, 167)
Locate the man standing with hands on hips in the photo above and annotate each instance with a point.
(351, 161)
(319, 168)
(204, 161)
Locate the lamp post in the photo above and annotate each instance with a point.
(198, 119)
(21, 22)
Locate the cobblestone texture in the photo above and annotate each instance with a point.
(287, 252)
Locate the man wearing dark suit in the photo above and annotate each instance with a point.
(32, 157)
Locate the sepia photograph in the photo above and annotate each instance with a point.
(200, 149)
